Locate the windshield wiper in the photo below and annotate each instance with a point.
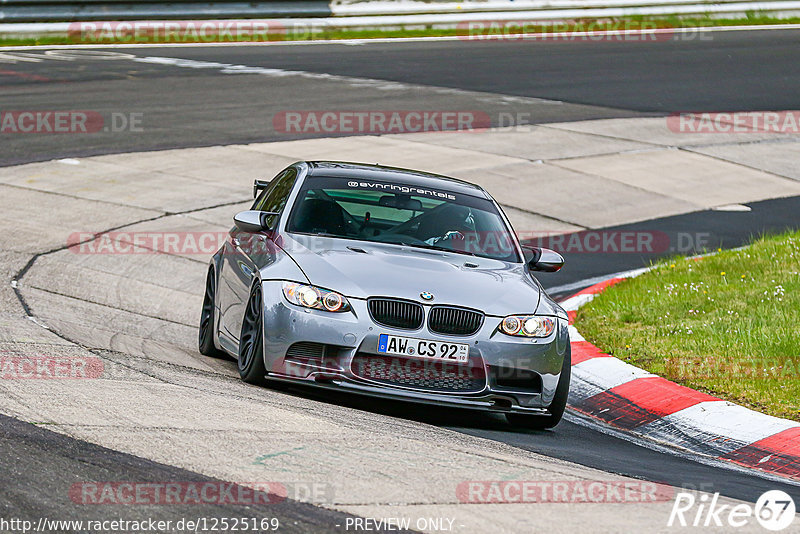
(445, 249)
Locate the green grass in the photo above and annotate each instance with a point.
(727, 324)
(751, 18)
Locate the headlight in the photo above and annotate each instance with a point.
(528, 325)
(314, 297)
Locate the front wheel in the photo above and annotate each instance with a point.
(206, 331)
(542, 422)
(251, 341)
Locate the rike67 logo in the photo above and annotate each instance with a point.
(774, 510)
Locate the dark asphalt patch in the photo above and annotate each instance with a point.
(41, 468)
(686, 235)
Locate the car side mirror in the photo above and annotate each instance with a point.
(252, 221)
(543, 259)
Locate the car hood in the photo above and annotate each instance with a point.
(359, 269)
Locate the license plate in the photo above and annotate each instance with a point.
(423, 348)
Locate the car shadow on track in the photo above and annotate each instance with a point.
(454, 418)
(569, 441)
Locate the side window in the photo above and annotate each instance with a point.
(260, 198)
(274, 197)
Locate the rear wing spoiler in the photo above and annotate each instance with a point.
(258, 185)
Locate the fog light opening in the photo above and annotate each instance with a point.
(502, 403)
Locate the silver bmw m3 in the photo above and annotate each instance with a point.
(391, 283)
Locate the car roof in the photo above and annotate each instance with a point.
(381, 173)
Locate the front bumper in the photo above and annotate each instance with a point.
(508, 374)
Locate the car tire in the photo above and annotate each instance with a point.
(251, 341)
(557, 407)
(207, 318)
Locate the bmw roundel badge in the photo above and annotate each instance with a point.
(426, 296)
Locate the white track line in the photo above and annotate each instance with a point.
(608, 373)
(510, 37)
(719, 424)
(373, 83)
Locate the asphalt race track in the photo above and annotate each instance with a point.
(200, 106)
(194, 104)
(43, 465)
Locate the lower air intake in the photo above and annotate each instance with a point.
(419, 374)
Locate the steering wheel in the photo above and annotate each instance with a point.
(451, 235)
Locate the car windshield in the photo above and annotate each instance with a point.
(402, 214)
